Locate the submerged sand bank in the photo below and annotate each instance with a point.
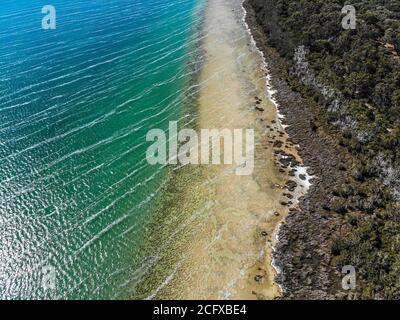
(227, 247)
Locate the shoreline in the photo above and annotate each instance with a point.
(231, 247)
(303, 252)
(271, 92)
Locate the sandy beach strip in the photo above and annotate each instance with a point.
(227, 253)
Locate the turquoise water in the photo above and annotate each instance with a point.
(76, 192)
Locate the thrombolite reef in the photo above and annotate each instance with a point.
(340, 92)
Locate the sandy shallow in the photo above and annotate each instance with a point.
(227, 247)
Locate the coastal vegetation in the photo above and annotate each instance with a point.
(354, 76)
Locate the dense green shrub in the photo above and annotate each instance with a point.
(362, 67)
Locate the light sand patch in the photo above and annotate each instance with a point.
(228, 254)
